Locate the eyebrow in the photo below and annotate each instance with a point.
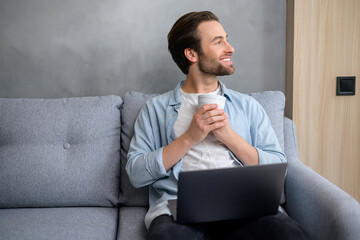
(218, 37)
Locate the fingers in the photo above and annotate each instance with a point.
(215, 122)
(205, 126)
(205, 120)
(213, 119)
(207, 107)
(208, 115)
(210, 112)
(213, 114)
(216, 125)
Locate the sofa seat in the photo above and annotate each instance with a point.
(59, 223)
(131, 223)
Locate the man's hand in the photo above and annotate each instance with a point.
(246, 153)
(205, 120)
(208, 118)
(224, 134)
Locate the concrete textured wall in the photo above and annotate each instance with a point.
(54, 49)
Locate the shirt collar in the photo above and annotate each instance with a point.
(175, 99)
(225, 91)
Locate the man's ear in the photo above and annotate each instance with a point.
(191, 55)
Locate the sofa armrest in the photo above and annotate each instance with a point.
(322, 209)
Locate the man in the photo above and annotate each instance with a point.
(173, 135)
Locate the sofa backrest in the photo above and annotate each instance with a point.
(272, 101)
(59, 152)
(132, 104)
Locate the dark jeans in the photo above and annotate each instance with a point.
(278, 226)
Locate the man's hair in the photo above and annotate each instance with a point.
(184, 35)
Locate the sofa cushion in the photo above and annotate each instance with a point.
(272, 101)
(133, 102)
(131, 223)
(59, 152)
(58, 223)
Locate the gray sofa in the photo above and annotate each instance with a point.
(62, 172)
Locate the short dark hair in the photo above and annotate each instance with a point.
(184, 35)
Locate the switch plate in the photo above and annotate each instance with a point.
(345, 86)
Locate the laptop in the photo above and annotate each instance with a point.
(227, 194)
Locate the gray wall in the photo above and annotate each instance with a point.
(67, 48)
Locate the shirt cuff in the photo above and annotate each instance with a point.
(154, 165)
(267, 158)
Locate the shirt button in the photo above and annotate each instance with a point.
(66, 145)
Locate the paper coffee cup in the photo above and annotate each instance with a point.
(211, 99)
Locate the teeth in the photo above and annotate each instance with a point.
(227, 60)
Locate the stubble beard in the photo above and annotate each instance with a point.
(211, 66)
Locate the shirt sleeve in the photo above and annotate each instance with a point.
(145, 163)
(264, 138)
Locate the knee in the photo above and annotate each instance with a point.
(164, 230)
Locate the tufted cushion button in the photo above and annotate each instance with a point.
(66, 145)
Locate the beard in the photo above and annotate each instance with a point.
(212, 66)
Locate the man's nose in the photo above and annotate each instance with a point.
(229, 48)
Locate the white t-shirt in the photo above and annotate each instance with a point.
(208, 154)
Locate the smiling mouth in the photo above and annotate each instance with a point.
(226, 60)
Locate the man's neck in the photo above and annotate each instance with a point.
(196, 84)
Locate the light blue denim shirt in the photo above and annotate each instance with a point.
(154, 130)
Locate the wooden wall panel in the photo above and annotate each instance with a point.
(323, 39)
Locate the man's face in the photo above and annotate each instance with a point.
(215, 57)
